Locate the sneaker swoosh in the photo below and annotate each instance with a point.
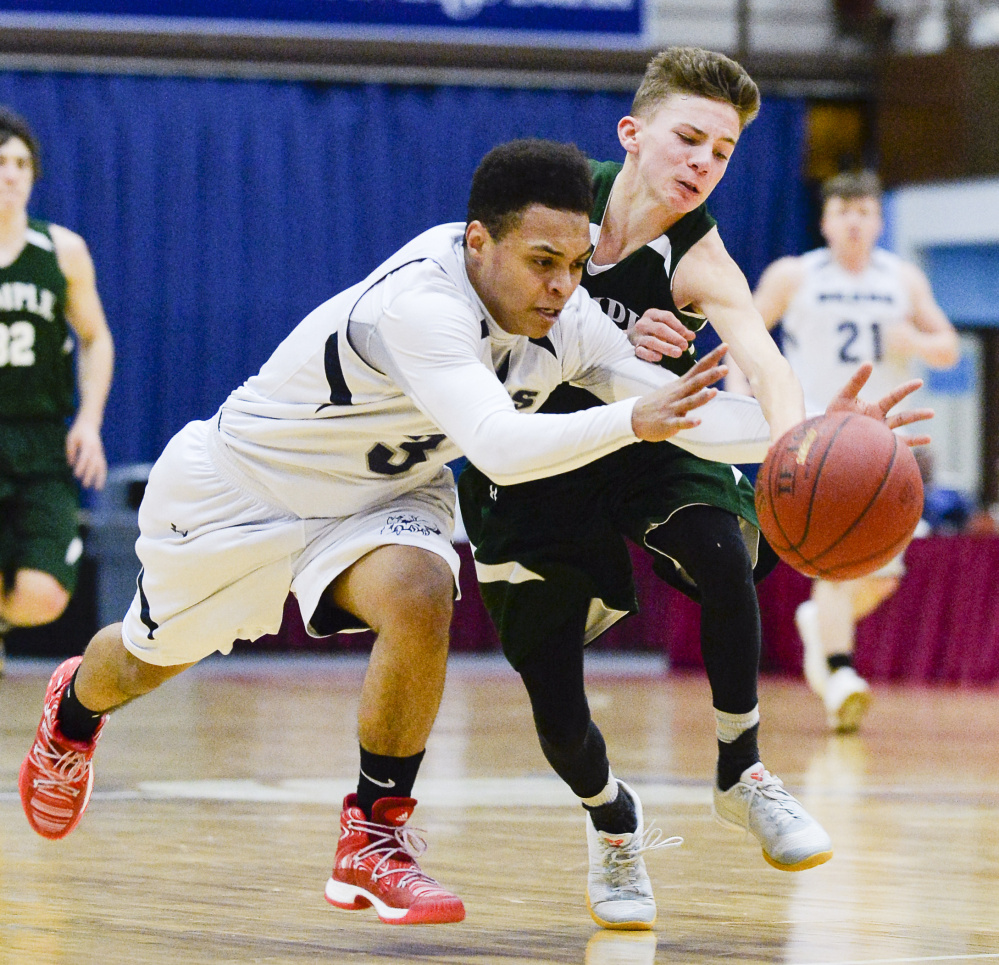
(388, 783)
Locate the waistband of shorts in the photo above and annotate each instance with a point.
(227, 466)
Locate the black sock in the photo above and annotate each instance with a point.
(618, 817)
(76, 722)
(735, 757)
(383, 776)
(838, 660)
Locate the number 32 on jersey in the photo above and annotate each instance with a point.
(17, 344)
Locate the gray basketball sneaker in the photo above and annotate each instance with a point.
(618, 890)
(792, 839)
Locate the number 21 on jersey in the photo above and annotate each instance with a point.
(860, 342)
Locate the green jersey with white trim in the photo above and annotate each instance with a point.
(627, 289)
(36, 346)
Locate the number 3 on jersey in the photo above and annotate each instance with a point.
(851, 350)
(391, 461)
(17, 344)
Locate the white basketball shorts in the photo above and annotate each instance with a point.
(218, 561)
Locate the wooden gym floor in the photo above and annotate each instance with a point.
(211, 829)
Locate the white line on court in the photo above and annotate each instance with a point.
(461, 792)
(974, 956)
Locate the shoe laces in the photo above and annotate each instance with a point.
(771, 788)
(621, 861)
(403, 844)
(59, 768)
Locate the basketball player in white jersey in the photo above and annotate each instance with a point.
(325, 474)
(838, 306)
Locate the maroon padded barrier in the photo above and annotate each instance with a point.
(942, 626)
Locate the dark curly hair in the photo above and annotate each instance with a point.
(513, 176)
(13, 125)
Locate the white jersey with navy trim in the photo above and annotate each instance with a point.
(838, 319)
(374, 391)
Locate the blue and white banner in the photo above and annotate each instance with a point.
(610, 17)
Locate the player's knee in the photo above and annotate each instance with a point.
(564, 735)
(422, 602)
(43, 602)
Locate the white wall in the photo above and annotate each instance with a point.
(919, 217)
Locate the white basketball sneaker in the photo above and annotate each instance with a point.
(847, 698)
(618, 890)
(792, 839)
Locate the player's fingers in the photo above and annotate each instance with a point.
(694, 401)
(656, 320)
(672, 426)
(908, 417)
(892, 399)
(713, 358)
(83, 470)
(913, 441)
(694, 381)
(646, 354)
(660, 346)
(855, 383)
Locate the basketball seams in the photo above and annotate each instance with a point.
(881, 557)
(794, 498)
(815, 486)
(769, 504)
(863, 512)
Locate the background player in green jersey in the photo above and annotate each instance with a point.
(47, 296)
(552, 561)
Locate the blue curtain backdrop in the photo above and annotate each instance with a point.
(219, 212)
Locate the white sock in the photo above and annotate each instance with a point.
(728, 727)
(606, 796)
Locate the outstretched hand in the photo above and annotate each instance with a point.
(847, 400)
(665, 412)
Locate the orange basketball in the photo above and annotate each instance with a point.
(838, 496)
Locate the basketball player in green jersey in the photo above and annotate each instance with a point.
(551, 557)
(48, 301)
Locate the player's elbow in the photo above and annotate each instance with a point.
(496, 468)
(949, 354)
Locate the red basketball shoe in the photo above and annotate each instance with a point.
(376, 865)
(57, 775)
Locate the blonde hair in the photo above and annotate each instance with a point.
(704, 73)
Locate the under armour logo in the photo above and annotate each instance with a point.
(179, 532)
(493, 493)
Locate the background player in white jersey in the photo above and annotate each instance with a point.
(838, 306)
(48, 301)
(325, 474)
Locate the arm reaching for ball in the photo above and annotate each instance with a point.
(661, 414)
(847, 401)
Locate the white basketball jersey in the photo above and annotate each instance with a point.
(374, 391)
(838, 319)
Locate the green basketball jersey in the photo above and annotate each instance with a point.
(643, 280)
(36, 346)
